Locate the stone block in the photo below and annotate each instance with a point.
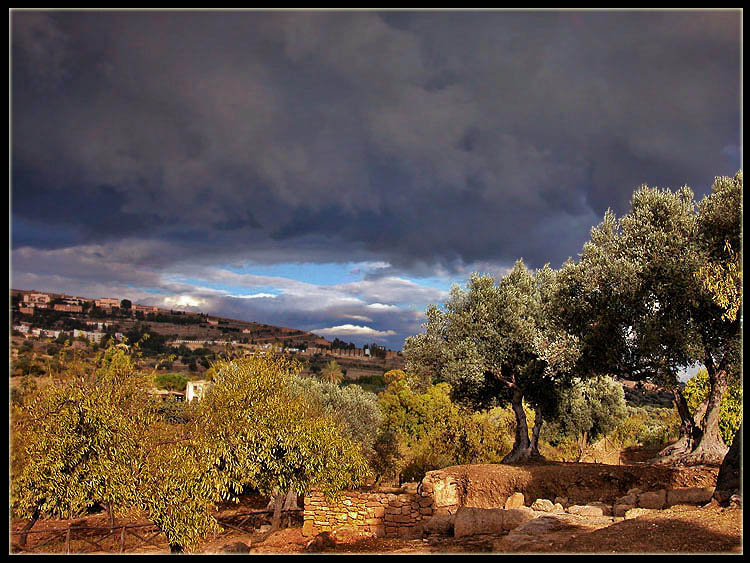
(514, 517)
(692, 495)
(471, 521)
(620, 509)
(308, 528)
(585, 510)
(514, 501)
(543, 505)
(606, 508)
(445, 493)
(653, 499)
(636, 512)
(630, 498)
(441, 525)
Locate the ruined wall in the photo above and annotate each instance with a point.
(380, 514)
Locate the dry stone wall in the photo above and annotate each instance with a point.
(432, 506)
(380, 514)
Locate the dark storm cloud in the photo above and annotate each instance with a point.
(424, 139)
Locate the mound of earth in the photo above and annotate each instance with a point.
(488, 485)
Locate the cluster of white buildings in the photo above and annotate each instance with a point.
(73, 304)
(90, 335)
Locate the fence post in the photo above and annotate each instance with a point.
(122, 540)
(67, 541)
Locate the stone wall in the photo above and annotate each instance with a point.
(380, 514)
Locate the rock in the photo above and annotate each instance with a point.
(322, 541)
(514, 501)
(620, 509)
(585, 510)
(440, 524)
(264, 528)
(692, 495)
(634, 491)
(653, 499)
(471, 521)
(562, 500)
(606, 508)
(630, 498)
(636, 512)
(557, 508)
(236, 547)
(308, 528)
(735, 501)
(445, 493)
(514, 517)
(542, 505)
(410, 488)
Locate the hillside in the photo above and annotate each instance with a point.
(50, 315)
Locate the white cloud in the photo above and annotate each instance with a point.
(381, 306)
(353, 330)
(183, 301)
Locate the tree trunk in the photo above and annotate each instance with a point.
(175, 548)
(111, 516)
(278, 504)
(728, 479)
(523, 448)
(27, 527)
(290, 503)
(710, 447)
(535, 431)
(690, 432)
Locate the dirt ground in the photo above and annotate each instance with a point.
(680, 529)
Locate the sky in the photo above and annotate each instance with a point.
(338, 171)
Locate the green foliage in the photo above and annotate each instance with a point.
(590, 408)
(492, 338)
(730, 412)
(356, 408)
(423, 429)
(647, 426)
(260, 432)
(71, 437)
(171, 381)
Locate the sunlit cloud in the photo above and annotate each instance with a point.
(353, 330)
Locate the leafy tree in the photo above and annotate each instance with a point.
(589, 409)
(641, 312)
(260, 432)
(499, 344)
(356, 408)
(423, 429)
(71, 437)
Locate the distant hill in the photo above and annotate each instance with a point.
(62, 312)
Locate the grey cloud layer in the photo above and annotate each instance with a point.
(417, 138)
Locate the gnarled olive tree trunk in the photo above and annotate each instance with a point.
(524, 448)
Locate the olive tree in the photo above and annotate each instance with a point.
(637, 300)
(589, 409)
(499, 343)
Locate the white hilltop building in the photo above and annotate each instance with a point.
(195, 389)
